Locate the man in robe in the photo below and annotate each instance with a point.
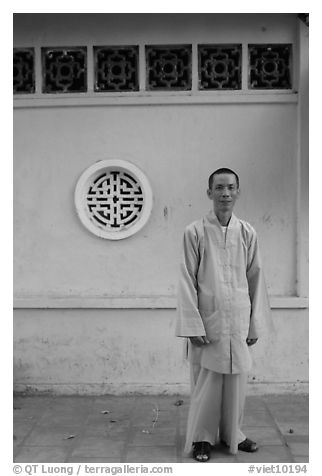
(222, 308)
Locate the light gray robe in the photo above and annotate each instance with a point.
(221, 293)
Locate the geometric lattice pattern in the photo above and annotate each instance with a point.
(219, 66)
(115, 200)
(23, 70)
(168, 67)
(64, 70)
(116, 68)
(270, 66)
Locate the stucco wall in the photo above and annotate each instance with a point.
(177, 147)
(117, 351)
(61, 271)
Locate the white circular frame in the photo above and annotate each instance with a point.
(82, 187)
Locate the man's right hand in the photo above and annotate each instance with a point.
(199, 340)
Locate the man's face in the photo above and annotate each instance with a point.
(224, 192)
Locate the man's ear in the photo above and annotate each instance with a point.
(238, 193)
(209, 193)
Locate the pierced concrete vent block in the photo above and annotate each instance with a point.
(113, 199)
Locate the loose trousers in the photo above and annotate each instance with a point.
(216, 408)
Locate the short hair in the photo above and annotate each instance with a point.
(223, 170)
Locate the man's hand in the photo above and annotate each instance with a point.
(251, 341)
(199, 340)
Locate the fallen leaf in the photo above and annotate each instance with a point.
(69, 437)
(178, 403)
(105, 412)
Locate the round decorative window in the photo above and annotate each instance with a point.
(113, 199)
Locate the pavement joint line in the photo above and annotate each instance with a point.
(278, 429)
(131, 429)
(76, 440)
(21, 444)
(129, 435)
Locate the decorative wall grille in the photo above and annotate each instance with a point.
(270, 66)
(23, 70)
(64, 70)
(219, 66)
(168, 67)
(113, 199)
(116, 68)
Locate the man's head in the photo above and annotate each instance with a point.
(223, 189)
(221, 171)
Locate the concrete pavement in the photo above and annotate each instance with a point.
(148, 429)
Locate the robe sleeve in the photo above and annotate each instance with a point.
(189, 322)
(260, 318)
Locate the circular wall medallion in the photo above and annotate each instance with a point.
(113, 199)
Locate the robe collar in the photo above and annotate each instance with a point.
(212, 218)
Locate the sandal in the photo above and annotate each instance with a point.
(247, 445)
(201, 451)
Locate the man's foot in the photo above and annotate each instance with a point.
(247, 445)
(201, 451)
